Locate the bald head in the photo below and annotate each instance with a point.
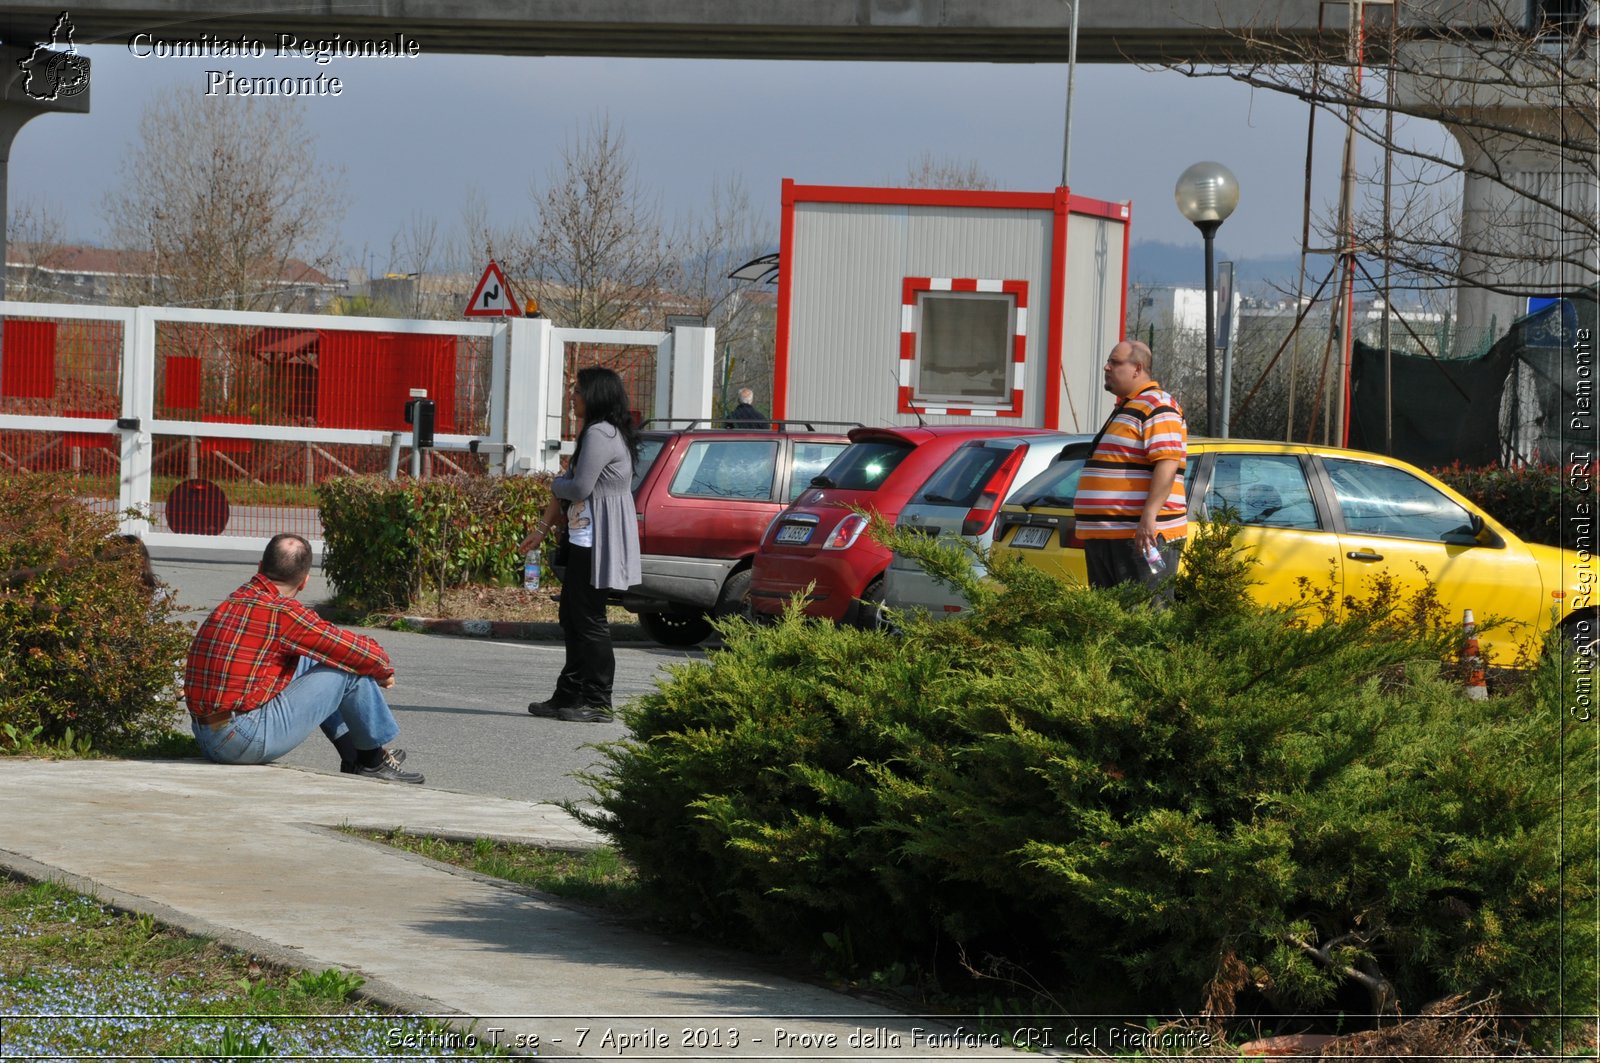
(1127, 368)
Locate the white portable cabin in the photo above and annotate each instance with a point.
(958, 307)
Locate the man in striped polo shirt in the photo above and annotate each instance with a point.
(1130, 495)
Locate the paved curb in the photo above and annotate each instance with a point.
(532, 630)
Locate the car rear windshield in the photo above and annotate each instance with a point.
(864, 466)
(1053, 487)
(960, 479)
(649, 451)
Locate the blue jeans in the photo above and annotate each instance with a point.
(320, 695)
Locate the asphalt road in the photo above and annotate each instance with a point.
(461, 702)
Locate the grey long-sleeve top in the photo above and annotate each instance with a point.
(603, 474)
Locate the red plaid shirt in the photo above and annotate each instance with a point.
(247, 650)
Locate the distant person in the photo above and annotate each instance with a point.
(745, 415)
(264, 671)
(1130, 495)
(603, 537)
(154, 588)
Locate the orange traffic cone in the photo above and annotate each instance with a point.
(1471, 660)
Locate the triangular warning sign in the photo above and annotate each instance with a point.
(492, 297)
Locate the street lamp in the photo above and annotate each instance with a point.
(1207, 193)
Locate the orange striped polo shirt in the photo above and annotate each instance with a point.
(1145, 428)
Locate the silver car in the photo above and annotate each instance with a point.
(962, 498)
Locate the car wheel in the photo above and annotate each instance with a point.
(1579, 632)
(735, 597)
(869, 614)
(676, 629)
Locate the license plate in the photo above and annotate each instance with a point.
(1032, 537)
(794, 533)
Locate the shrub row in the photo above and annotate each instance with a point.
(1527, 499)
(387, 540)
(1133, 810)
(84, 647)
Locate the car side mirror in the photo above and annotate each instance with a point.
(1474, 533)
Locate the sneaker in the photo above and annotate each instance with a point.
(550, 710)
(585, 714)
(351, 767)
(389, 770)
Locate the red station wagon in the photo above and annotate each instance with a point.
(704, 493)
(818, 539)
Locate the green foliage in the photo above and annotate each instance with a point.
(329, 984)
(387, 540)
(88, 657)
(236, 1046)
(1526, 499)
(1132, 806)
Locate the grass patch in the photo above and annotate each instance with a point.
(597, 877)
(79, 978)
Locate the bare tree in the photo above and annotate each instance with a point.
(229, 199)
(1519, 97)
(599, 258)
(727, 236)
(39, 251)
(928, 171)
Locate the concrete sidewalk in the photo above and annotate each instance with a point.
(247, 854)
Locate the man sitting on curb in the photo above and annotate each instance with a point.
(255, 687)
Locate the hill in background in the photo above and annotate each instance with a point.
(1151, 262)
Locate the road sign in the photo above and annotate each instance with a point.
(492, 297)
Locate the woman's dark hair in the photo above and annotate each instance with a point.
(147, 572)
(605, 400)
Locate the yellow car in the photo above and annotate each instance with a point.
(1343, 516)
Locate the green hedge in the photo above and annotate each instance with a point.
(1528, 499)
(387, 540)
(85, 652)
(1130, 810)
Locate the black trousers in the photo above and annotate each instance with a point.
(1113, 561)
(591, 665)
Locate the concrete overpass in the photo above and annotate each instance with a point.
(989, 31)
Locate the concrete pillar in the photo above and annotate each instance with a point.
(534, 397)
(1527, 207)
(138, 408)
(22, 99)
(693, 356)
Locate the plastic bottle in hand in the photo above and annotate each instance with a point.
(530, 571)
(1153, 558)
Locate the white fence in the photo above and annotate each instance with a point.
(135, 401)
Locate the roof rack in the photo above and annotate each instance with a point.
(762, 425)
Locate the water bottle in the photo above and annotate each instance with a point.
(530, 571)
(1153, 558)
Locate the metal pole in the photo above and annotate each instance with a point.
(1388, 180)
(1072, 72)
(1208, 229)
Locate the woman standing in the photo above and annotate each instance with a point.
(604, 538)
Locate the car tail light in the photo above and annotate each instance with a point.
(846, 534)
(1069, 535)
(987, 504)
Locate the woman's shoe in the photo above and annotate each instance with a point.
(585, 713)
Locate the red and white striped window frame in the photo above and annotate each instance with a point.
(1017, 289)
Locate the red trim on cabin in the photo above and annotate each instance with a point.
(918, 197)
(1098, 208)
(1127, 228)
(1053, 382)
(780, 365)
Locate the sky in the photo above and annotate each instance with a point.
(420, 136)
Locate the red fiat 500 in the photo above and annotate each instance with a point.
(819, 540)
